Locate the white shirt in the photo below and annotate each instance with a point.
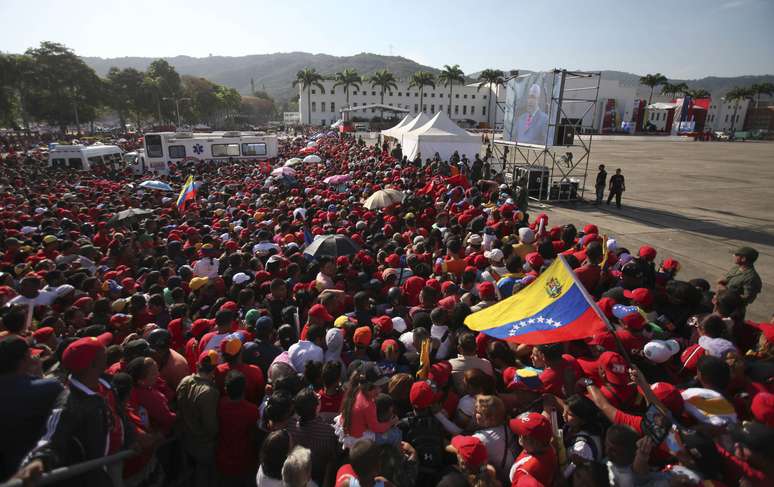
(206, 267)
(494, 441)
(302, 352)
(44, 298)
(439, 332)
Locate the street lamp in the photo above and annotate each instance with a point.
(177, 106)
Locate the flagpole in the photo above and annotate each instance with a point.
(599, 312)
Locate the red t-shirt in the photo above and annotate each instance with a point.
(553, 377)
(191, 355)
(330, 403)
(254, 381)
(543, 467)
(237, 423)
(589, 276)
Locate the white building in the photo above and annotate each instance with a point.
(724, 114)
(468, 102)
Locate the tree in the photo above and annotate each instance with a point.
(385, 81)
(738, 94)
(166, 82)
(759, 89)
(449, 76)
(674, 90)
(17, 74)
(491, 77)
(348, 78)
(307, 78)
(698, 93)
(127, 94)
(420, 79)
(63, 89)
(652, 80)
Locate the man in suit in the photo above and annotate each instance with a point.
(532, 125)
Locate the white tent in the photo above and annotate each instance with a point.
(396, 130)
(440, 134)
(416, 122)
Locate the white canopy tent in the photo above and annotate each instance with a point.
(440, 134)
(396, 130)
(416, 122)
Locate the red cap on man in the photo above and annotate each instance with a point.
(534, 425)
(615, 368)
(79, 355)
(319, 312)
(422, 395)
(471, 450)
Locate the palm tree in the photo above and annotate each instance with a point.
(420, 79)
(698, 93)
(307, 78)
(348, 77)
(674, 90)
(736, 95)
(449, 76)
(762, 89)
(652, 80)
(385, 81)
(491, 77)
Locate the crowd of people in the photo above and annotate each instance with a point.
(209, 340)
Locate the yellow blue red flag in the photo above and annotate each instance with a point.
(555, 307)
(188, 193)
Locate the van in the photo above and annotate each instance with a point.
(82, 157)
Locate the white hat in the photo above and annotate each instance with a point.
(659, 351)
(612, 245)
(64, 290)
(240, 277)
(716, 347)
(475, 239)
(526, 235)
(494, 254)
(419, 239)
(399, 324)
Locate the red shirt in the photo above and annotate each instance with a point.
(344, 473)
(235, 453)
(553, 377)
(543, 467)
(330, 403)
(589, 276)
(191, 355)
(254, 381)
(149, 401)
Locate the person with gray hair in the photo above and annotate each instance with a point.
(297, 469)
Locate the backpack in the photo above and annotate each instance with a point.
(426, 435)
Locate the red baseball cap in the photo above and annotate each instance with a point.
(633, 321)
(362, 336)
(647, 252)
(606, 306)
(766, 328)
(422, 395)
(471, 450)
(388, 345)
(319, 312)
(229, 306)
(669, 396)
(641, 296)
(208, 357)
(534, 425)
(590, 228)
(440, 373)
(762, 408)
(615, 367)
(382, 323)
(486, 290)
(80, 354)
(42, 335)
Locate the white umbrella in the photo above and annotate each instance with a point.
(157, 185)
(293, 161)
(383, 198)
(284, 171)
(311, 144)
(313, 158)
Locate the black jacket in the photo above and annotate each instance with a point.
(77, 430)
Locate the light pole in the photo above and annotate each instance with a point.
(177, 106)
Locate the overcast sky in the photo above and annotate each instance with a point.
(680, 38)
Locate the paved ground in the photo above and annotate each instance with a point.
(694, 201)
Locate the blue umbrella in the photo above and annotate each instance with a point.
(157, 185)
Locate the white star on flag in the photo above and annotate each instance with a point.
(549, 321)
(540, 319)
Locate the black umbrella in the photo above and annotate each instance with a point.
(333, 246)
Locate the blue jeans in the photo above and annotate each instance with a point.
(600, 194)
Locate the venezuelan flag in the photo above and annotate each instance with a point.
(188, 193)
(554, 308)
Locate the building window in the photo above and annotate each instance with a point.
(373, 110)
(440, 95)
(464, 109)
(225, 150)
(416, 108)
(457, 95)
(391, 93)
(416, 95)
(726, 118)
(472, 110)
(456, 109)
(465, 95)
(333, 106)
(314, 106)
(473, 96)
(400, 94)
(333, 92)
(255, 149)
(322, 91)
(322, 106)
(737, 118)
(314, 92)
(354, 104)
(176, 151)
(432, 108)
(484, 97)
(432, 95)
(440, 108)
(483, 111)
(424, 108)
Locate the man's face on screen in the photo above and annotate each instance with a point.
(532, 102)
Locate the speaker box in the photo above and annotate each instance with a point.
(565, 135)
